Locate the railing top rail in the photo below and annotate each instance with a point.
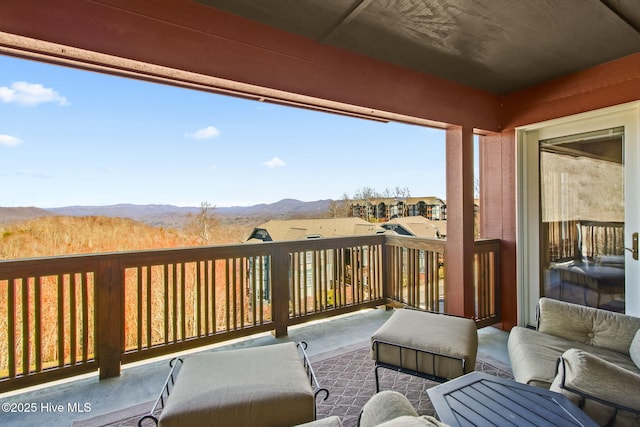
(89, 262)
(434, 245)
(485, 241)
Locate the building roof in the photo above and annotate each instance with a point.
(418, 226)
(297, 229)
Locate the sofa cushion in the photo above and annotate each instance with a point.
(634, 349)
(584, 376)
(587, 325)
(534, 355)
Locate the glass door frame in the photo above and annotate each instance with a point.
(528, 197)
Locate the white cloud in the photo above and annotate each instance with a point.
(276, 162)
(30, 94)
(205, 133)
(9, 141)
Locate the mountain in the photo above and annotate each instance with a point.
(285, 207)
(8, 215)
(123, 210)
(175, 216)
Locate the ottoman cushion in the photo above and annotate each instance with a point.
(265, 386)
(438, 334)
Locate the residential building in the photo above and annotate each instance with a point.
(294, 229)
(386, 208)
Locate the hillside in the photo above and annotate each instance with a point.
(60, 235)
(9, 215)
(176, 216)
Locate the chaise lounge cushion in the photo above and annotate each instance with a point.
(266, 386)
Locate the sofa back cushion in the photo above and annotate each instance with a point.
(587, 325)
(634, 349)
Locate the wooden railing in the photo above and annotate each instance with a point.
(486, 273)
(62, 316)
(415, 272)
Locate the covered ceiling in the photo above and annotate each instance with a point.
(498, 46)
(488, 65)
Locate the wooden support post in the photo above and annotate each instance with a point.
(110, 317)
(387, 278)
(280, 291)
(459, 250)
(498, 213)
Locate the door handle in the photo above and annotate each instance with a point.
(634, 246)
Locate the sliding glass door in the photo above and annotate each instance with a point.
(579, 211)
(582, 213)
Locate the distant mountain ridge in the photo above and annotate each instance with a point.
(22, 214)
(170, 215)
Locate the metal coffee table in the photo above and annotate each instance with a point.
(478, 399)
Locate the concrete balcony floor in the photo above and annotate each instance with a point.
(141, 382)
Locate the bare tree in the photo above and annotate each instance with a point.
(339, 208)
(203, 223)
(364, 196)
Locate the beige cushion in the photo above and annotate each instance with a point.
(534, 355)
(436, 333)
(591, 375)
(264, 386)
(587, 325)
(385, 406)
(390, 409)
(406, 421)
(333, 421)
(634, 349)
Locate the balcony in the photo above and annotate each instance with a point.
(72, 315)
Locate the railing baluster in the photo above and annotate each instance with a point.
(179, 278)
(149, 326)
(85, 318)
(37, 347)
(207, 285)
(72, 320)
(241, 291)
(262, 282)
(60, 301)
(11, 326)
(139, 307)
(25, 325)
(228, 303)
(177, 297)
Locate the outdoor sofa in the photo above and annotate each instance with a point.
(590, 355)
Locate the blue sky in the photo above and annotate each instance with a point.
(71, 137)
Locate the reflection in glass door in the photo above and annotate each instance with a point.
(582, 218)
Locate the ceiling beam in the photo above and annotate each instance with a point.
(614, 83)
(184, 38)
(614, 7)
(352, 13)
